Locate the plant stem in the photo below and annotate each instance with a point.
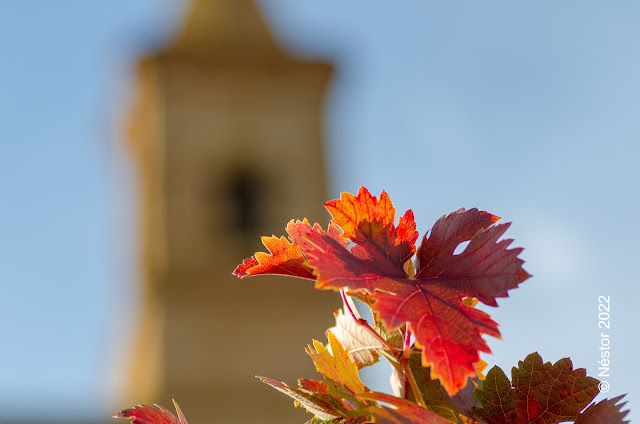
(406, 349)
(347, 304)
(404, 361)
(404, 353)
(412, 382)
(363, 322)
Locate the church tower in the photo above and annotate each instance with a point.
(227, 139)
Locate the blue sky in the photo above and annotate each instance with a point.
(529, 110)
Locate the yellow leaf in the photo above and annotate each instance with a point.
(336, 364)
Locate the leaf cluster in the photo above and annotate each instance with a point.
(425, 323)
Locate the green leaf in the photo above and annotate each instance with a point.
(497, 399)
(539, 393)
(434, 394)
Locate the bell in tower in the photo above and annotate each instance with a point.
(227, 138)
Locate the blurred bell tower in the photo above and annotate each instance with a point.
(227, 137)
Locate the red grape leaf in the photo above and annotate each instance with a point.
(449, 331)
(607, 411)
(539, 393)
(403, 411)
(431, 301)
(152, 415)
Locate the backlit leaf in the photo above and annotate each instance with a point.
(497, 399)
(363, 347)
(336, 365)
(319, 403)
(284, 257)
(539, 393)
(152, 415)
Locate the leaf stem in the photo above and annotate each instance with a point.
(405, 381)
(404, 361)
(406, 349)
(412, 382)
(404, 353)
(363, 322)
(347, 304)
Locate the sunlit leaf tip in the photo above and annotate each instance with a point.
(283, 258)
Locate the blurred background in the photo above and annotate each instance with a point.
(145, 146)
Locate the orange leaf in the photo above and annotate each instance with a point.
(285, 257)
(369, 223)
